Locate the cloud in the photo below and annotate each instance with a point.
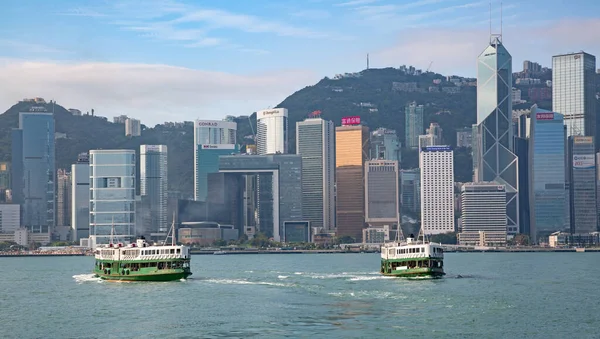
(153, 93)
(454, 51)
(355, 3)
(25, 47)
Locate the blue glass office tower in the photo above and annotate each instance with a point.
(34, 172)
(495, 158)
(546, 173)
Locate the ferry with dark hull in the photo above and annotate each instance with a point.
(412, 258)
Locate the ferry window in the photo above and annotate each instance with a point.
(178, 250)
(172, 251)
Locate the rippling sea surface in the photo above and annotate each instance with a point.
(484, 295)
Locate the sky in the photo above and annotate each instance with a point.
(176, 60)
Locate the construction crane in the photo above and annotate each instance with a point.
(428, 68)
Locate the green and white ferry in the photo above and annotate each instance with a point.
(141, 261)
(412, 258)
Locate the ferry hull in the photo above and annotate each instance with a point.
(160, 276)
(416, 272)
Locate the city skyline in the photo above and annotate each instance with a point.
(189, 55)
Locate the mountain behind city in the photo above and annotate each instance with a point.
(378, 96)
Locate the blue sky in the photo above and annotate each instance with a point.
(179, 60)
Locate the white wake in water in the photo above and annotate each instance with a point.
(84, 278)
(246, 282)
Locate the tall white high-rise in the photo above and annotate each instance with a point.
(272, 131)
(153, 189)
(210, 135)
(574, 92)
(437, 189)
(315, 142)
(80, 198)
(112, 195)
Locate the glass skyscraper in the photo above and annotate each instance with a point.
(80, 198)
(34, 173)
(315, 142)
(112, 194)
(413, 124)
(546, 173)
(582, 185)
(574, 92)
(153, 188)
(216, 137)
(495, 158)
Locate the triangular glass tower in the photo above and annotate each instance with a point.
(495, 158)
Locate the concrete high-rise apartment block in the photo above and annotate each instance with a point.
(272, 131)
(493, 157)
(546, 173)
(33, 170)
(351, 152)
(153, 190)
(464, 137)
(532, 67)
(63, 198)
(437, 189)
(10, 218)
(381, 193)
(80, 198)
(574, 92)
(315, 142)
(112, 195)
(436, 133)
(212, 138)
(483, 213)
(413, 122)
(582, 185)
(133, 127)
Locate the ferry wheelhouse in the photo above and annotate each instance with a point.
(141, 261)
(412, 258)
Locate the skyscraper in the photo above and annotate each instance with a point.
(112, 194)
(315, 142)
(34, 173)
(437, 189)
(272, 131)
(212, 138)
(495, 158)
(546, 173)
(351, 152)
(385, 145)
(574, 92)
(80, 198)
(413, 124)
(582, 184)
(153, 188)
(63, 198)
(381, 193)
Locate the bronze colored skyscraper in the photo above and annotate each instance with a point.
(351, 152)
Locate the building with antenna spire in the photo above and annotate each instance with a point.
(495, 160)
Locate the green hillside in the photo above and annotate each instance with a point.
(382, 106)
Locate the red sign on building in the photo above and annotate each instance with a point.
(544, 116)
(349, 121)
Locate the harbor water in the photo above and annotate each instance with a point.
(483, 295)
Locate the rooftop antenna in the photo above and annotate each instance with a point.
(367, 60)
(500, 21)
(490, 20)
